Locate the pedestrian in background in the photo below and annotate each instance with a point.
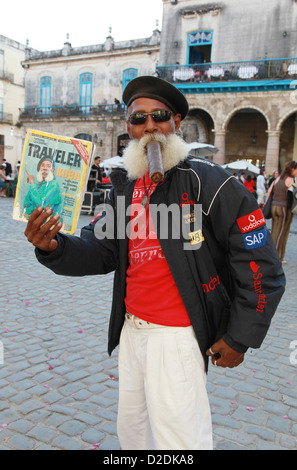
(249, 183)
(281, 215)
(2, 181)
(261, 189)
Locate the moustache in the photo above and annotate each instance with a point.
(155, 153)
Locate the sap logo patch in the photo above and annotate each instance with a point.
(252, 221)
(255, 240)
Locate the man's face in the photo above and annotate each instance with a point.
(45, 168)
(147, 105)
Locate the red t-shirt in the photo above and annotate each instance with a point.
(250, 185)
(151, 291)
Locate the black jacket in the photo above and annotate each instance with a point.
(231, 285)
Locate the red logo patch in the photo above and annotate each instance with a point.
(251, 221)
(257, 280)
(186, 202)
(214, 281)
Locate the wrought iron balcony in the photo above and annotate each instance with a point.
(68, 110)
(231, 76)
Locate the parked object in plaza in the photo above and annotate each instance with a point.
(242, 165)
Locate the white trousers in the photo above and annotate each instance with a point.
(163, 402)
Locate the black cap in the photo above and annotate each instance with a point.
(43, 159)
(156, 89)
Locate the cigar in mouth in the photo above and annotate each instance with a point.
(155, 161)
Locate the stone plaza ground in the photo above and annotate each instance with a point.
(59, 388)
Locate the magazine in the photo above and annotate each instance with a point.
(54, 172)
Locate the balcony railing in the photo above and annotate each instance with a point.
(266, 69)
(82, 111)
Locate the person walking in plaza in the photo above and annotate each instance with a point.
(281, 215)
(261, 189)
(178, 301)
(273, 177)
(249, 183)
(2, 181)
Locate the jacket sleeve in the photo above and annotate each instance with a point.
(81, 256)
(256, 273)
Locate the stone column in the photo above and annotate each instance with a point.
(272, 152)
(220, 143)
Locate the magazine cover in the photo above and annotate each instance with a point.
(54, 172)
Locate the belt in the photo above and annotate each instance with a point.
(139, 323)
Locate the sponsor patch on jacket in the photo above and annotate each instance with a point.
(257, 280)
(255, 240)
(252, 221)
(196, 237)
(209, 286)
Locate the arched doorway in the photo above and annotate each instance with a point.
(198, 127)
(246, 137)
(122, 143)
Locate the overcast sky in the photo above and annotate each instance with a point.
(87, 22)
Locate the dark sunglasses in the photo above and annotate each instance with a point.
(162, 115)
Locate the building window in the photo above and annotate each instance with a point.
(84, 137)
(45, 94)
(199, 47)
(128, 75)
(85, 91)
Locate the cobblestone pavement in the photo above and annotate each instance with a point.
(58, 386)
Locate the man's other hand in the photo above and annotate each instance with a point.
(222, 355)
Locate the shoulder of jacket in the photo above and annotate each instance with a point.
(204, 166)
(213, 180)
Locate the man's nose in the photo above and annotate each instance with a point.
(150, 125)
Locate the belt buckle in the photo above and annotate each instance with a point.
(134, 319)
(129, 316)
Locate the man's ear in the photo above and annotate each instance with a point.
(129, 129)
(177, 121)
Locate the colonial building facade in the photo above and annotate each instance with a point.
(77, 91)
(234, 60)
(12, 92)
(239, 64)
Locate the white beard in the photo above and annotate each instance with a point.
(174, 150)
(50, 177)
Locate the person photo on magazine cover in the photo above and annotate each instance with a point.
(45, 191)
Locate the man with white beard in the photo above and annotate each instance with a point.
(174, 306)
(45, 192)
